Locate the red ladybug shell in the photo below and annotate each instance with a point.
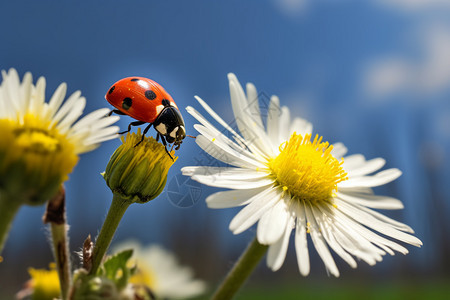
(140, 98)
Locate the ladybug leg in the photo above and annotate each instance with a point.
(116, 111)
(144, 132)
(157, 136)
(136, 123)
(163, 140)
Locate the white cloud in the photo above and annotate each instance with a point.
(410, 6)
(428, 75)
(292, 7)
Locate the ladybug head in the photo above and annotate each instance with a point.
(170, 124)
(180, 133)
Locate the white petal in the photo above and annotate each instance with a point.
(339, 150)
(77, 110)
(373, 201)
(250, 214)
(367, 167)
(253, 104)
(351, 239)
(108, 131)
(272, 224)
(327, 230)
(213, 114)
(104, 122)
(224, 172)
(277, 251)
(91, 120)
(380, 226)
(241, 143)
(11, 83)
(301, 126)
(226, 154)
(26, 89)
(378, 179)
(233, 183)
(353, 161)
(319, 243)
(232, 198)
(66, 107)
(57, 99)
(273, 120)
(396, 224)
(249, 129)
(222, 141)
(301, 244)
(38, 97)
(93, 143)
(357, 244)
(365, 234)
(285, 121)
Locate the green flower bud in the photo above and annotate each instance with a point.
(137, 171)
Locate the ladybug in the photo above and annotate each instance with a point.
(146, 101)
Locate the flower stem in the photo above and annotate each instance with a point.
(241, 270)
(115, 214)
(61, 250)
(8, 210)
(55, 214)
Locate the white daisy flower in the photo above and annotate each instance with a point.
(159, 270)
(41, 140)
(288, 180)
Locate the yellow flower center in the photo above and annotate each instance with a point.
(36, 141)
(45, 283)
(307, 170)
(34, 157)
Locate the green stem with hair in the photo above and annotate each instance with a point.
(9, 207)
(62, 256)
(115, 214)
(241, 270)
(55, 215)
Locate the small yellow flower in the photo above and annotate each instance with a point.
(138, 172)
(43, 285)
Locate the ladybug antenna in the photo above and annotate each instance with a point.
(191, 136)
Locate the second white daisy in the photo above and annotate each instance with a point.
(289, 180)
(159, 271)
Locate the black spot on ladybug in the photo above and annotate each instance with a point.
(165, 102)
(111, 89)
(149, 94)
(134, 79)
(126, 103)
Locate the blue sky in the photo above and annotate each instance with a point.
(372, 74)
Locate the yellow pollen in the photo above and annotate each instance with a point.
(37, 141)
(306, 169)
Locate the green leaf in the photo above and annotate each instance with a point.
(115, 268)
